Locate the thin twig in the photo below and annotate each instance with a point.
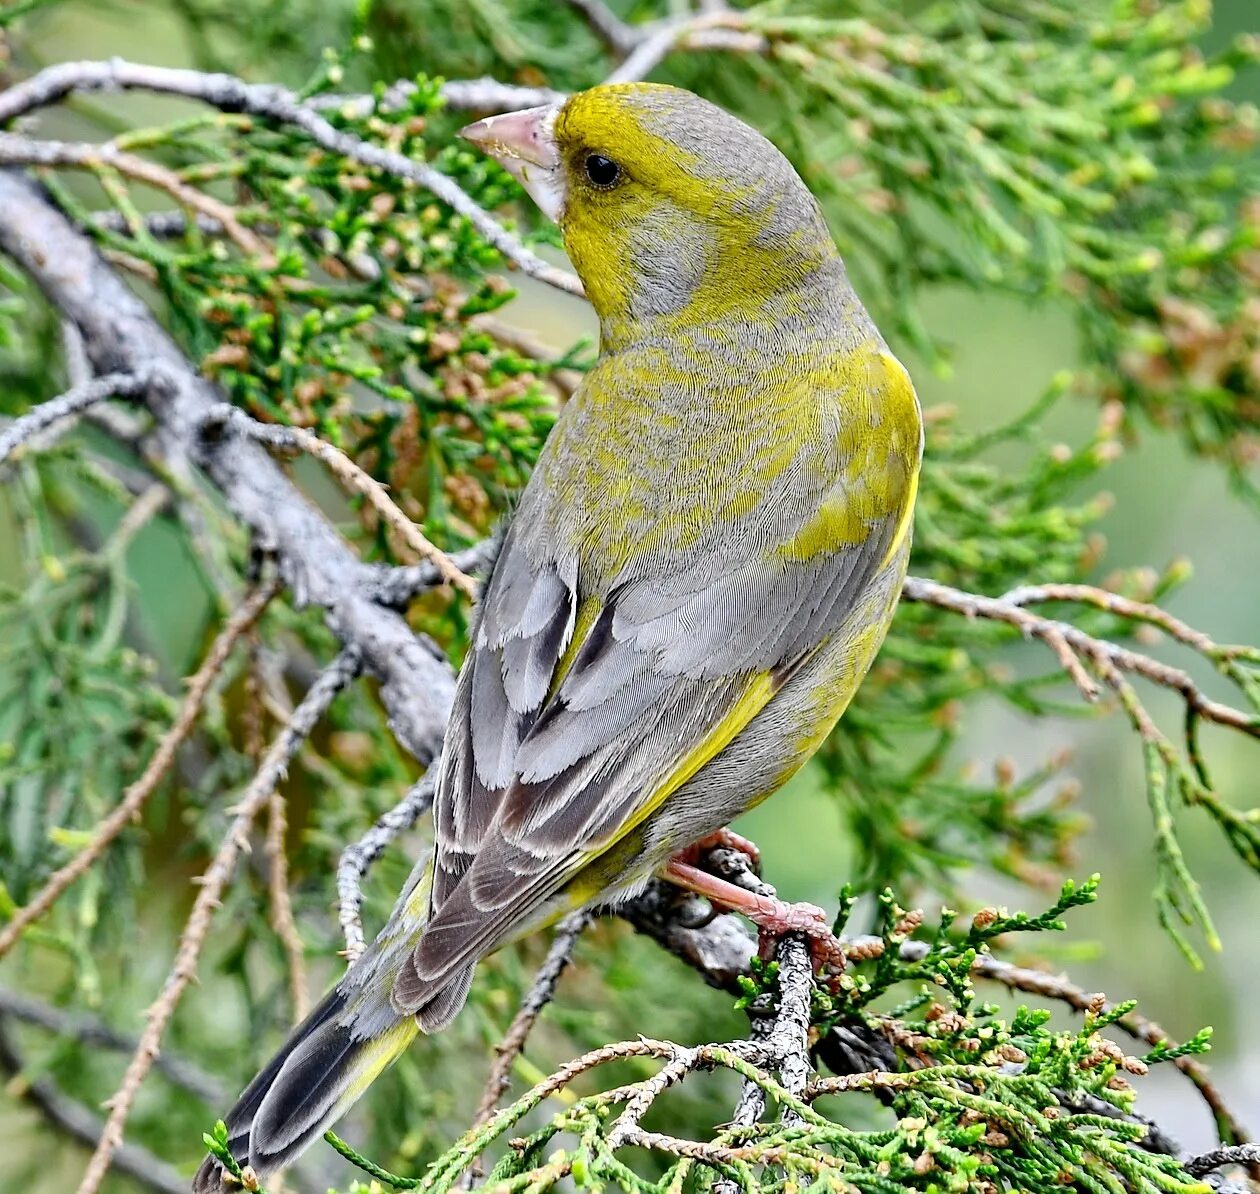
(1238, 1154)
(280, 905)
(65, 406)
(134, 797)
(1063, 635)
(212, 886)
(230, 94)
(357, 858)
(540, 993)
(17, 150)
(353, 477)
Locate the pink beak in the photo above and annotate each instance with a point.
(524, 143)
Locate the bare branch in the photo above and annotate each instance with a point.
(121, 334)
(1061, 636)
(90, 1030)
(1238, 1154)
(21, 151)
(353, 477)
(230, 94)
(134, 797)
(395, 586)
(472, 95)
(540, 994)
(212, 886)
(73, 402)
(357, 859)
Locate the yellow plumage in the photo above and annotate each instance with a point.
(697, 578)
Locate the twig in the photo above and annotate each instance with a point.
(355, 478)
(536, 998)
(93, 1031)
(608, 26)
(1238, 1154)
(396, 585)
(280, 905)
(134, 797)
(357, 858)
(69, 404)
(212, 885)
(16, 150)
(230, 94)
(76, 1121)
(1062, 636)
(472, 95)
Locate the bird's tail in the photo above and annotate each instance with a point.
(335, 1054)
(320, 1071)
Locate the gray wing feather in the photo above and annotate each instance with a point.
(554, 777)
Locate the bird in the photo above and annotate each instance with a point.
(695, 580)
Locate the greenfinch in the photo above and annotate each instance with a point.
(696, 579)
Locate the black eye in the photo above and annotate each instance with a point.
(602, 171)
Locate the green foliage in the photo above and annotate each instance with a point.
(972, 1097)
(1007, 148)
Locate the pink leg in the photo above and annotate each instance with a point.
(773, 916)
(725, 839)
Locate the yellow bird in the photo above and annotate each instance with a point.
(697, 577)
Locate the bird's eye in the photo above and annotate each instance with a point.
(602, 171)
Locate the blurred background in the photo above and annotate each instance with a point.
(1005, 351)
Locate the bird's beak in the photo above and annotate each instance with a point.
(524, 143)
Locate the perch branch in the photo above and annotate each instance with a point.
(211, 888)
(134, 797)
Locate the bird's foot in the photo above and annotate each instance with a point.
(772, 916)
(722, 839)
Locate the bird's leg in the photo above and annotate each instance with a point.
(771, 915)
(722, 839)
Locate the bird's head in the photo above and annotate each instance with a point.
(671, 208)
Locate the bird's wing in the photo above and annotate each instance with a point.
(577, 719)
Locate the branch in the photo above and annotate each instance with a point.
(1238, 1154)
(134, 797)
(354, 478)
(230, 94)
(92, 1031)
(121, 334)
(73, 402)
(209, 895)
(1070, 643)
(540, 993)
(76, 1121)
(21, 151)
(357, 859)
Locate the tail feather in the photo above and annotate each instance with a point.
(340, 1049)
(309, 1084)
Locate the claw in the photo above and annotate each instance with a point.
(774, 917)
